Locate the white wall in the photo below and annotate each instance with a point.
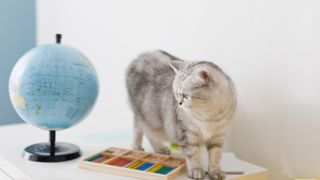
(271, 48)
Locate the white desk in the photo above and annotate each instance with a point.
(14, 138)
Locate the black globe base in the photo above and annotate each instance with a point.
(43, 152)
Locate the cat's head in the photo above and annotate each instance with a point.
(195, 83)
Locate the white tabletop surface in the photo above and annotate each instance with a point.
(14, 138)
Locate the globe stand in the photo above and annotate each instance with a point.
(52, 151)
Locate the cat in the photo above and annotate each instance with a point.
(183, 102)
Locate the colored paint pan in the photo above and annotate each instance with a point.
(135, 164)
(120, 162)
(156, 167)
(104, 158)
(93, 158)
(98, 158)
(164, 170)
(144, 166)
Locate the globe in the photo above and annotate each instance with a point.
(53, 86)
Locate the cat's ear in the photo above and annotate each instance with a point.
(176, 65)
(205, 76)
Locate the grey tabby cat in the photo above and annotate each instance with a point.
(183, 102)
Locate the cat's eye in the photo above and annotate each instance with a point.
(184, 96)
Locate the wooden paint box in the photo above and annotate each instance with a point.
(137, 164)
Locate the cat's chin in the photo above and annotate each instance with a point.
(199, 114)
(189, 110)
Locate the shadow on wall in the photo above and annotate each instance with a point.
(17, 34)
(286, 154)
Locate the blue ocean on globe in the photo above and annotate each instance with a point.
(53, 86)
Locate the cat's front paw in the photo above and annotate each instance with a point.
(196, 173)
(216, 174)
(138, 148)
(164, 150)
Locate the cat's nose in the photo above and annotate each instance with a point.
(180, 103)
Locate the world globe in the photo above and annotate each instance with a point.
(53, 86)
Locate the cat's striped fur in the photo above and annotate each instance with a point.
(184, 102)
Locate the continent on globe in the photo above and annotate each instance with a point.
(18, 100)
